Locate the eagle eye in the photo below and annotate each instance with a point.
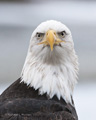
(62, 34)
(39, 35)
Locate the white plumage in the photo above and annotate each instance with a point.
(52, 72)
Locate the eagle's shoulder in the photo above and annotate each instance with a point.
(18, 90)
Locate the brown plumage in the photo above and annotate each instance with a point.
(20, 102)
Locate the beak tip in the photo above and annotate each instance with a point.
(51, 49)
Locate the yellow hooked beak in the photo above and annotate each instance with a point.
(51, 39)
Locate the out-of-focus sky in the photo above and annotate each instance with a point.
(18, 19)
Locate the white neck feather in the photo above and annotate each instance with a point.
(54, 74)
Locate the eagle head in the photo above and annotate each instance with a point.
(51, 65)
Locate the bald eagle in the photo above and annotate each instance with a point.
(44, 90)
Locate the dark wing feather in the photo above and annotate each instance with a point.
(38, 116)
(19, 102)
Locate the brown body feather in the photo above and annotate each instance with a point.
(20, 102)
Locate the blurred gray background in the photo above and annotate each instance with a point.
(18, 19)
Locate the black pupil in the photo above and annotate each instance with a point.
(62, 33)
(38, 35)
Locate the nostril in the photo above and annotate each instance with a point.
(54, 33)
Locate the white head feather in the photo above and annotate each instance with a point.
(52, 72)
